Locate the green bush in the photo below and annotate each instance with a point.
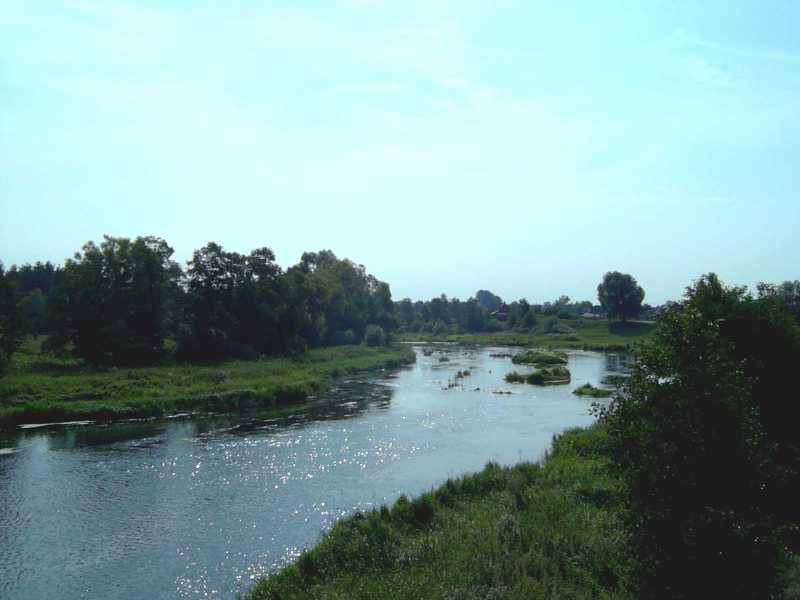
(549, 376)
(345, 338)
(705, 438)
(546, 376)
(439, 328)
(539, 357)
(375, 336)
(588, 389)
(514, 377)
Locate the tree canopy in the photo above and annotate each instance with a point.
(110, 305)
(11, 318)
(620, 296)
(118, 302)
(705, 437)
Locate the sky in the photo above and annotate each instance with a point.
(522, 147)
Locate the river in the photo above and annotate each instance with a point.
(202, 507)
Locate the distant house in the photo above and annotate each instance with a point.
(501, 314)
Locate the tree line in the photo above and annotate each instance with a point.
(124, 301)
(128, 302)
(619, 296)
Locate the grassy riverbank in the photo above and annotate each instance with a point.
(530, 531)
(39, 387)
(588, 334)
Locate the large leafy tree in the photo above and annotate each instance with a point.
(343, 297)
(234, 303)
(11, 322)
(620, 296)
(243, 305)
(787, 292)
(35, 283)
(110, 305)
(404, 310)
(487, 300)
(705, 438)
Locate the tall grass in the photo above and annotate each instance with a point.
(530, 531)
(39, 387)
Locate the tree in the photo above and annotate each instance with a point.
(787, 292)
(705, 439)
(343, 296)
(488, 301)
(111, 302)
(237, 304)
(620, 296)
(405, 312)
(375, 336)
(34, 311)
(35, 284)
(12, 326)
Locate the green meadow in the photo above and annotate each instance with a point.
(40, 387)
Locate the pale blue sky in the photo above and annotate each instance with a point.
(522, 147)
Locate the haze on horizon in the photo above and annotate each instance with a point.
(519, 147)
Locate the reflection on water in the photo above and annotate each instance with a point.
(201, 507)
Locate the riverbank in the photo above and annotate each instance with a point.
(589, 334)
(549, 530)
(42, 388)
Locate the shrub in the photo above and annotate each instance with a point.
(539, 357)
(375, 336)
(439, 328)
(587, 389)
(345, 338)
(705, 438)
(549, 376)
(514, 377)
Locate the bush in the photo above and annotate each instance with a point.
(552, 375)
(375, 336)
(539, 357)
(549, 376)
(514, 377)
(345, 338)
(588, 389)
(439, 328)
(704, 436)
(493, 326)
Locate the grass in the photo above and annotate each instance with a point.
(40, 388)
(590, 334)
(550, 530)
(514, 377)
(588, 389)
(545, 376)
(539, 357)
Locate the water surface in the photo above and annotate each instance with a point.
(200, 508)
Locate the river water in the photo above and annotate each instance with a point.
(202, 507)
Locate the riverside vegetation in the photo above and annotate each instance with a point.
(539, 358)
(545, 376)
(586, 334)
(41, 387)
(587, 389)
(687, 487)
(550, 530)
